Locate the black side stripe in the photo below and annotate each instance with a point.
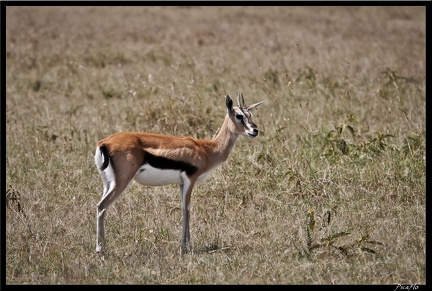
(106, 157)
(168, 164)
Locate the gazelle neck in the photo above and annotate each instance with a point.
(224, 141)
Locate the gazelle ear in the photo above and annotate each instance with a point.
(229, 103)
(254, 105)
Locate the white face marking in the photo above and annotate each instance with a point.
(240, 116)
(156, 177)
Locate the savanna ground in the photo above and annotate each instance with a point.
(331, 192)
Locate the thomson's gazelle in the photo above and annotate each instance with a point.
(153, 159)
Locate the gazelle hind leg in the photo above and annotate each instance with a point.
(112, 194)
(100, 215)
(114, 184)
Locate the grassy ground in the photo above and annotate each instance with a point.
(331, 192)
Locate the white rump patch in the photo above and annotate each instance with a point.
(107, 175)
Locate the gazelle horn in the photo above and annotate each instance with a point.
(240, 101)
(254, 105)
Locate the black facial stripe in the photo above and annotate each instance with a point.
(248, 117)
(168, 164)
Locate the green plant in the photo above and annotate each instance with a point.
(335, 139)
(325, 238)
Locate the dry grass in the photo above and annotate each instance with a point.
(331, 192)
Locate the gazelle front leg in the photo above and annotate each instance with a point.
(185, 193)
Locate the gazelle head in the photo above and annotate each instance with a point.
(241, 116)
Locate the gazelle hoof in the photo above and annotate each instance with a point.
(99, 249)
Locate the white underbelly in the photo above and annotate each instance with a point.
(157, 177)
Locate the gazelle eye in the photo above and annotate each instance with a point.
(239, 117)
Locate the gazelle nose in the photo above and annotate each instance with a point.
(254, 133)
